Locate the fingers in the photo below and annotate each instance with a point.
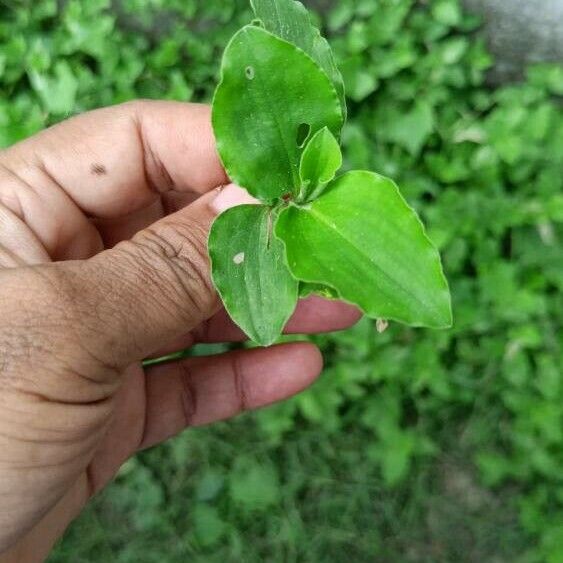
(114, 161)
(18, 245)
(317, 315)
(313, 316)
(106, 164)
(114, 231)
(199, 391)
(151, 289)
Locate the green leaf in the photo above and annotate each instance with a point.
(290, 20)
(260, 113)
(208, 527)
(362, 238)
(548, 76)
(254, 486)
(361, 80)
(58, 92)
(447, 12)
(250, 274)
(412, 129)
(320, 162)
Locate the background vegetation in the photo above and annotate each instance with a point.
(415, 445)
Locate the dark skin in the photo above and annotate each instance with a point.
(103, 263)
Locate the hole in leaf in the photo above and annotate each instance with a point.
(303, 132)
(249, 71)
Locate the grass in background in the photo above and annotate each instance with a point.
(415, 445)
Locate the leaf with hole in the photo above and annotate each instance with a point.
(291, 21)
(250, 273)
(270, 94)
(277, 116)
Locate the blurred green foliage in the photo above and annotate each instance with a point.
(415, 445)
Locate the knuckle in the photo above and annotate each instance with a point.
(176, 252)
(137, 106)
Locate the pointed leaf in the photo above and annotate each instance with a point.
(271, 98)
(250, 273)
(320, 162)
(362, 238)
(410, 130)
(291, 21)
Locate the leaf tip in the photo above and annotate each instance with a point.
(442, 318)
(263, 342)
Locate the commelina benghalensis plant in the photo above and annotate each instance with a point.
(277, 116)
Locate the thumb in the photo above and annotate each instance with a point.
(146, 292)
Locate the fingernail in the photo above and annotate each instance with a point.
(231, 196)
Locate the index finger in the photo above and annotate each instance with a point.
(114, 161)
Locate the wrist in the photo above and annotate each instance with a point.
(35, 545)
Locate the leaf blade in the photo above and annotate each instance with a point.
(320, 162)
(259, 113)
(291, 21)
(250, 274)
(361, 238)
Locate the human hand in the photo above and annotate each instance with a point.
(103, 263)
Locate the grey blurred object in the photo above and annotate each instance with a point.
(520, 32)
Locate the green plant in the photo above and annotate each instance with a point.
(277, 115)
(415, 446)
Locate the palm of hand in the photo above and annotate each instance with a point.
(68, 195)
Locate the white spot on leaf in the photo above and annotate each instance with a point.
(381, 325)
(239, 258)
(249, 71)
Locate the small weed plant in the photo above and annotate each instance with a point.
(278, 113)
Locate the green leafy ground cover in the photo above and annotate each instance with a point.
(415, 445)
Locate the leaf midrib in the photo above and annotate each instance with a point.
(322, 219)
(279, 127)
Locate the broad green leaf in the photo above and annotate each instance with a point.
(290, 20)
(272, 96)
(58, 92)
(362, 238)
(447, 12)
(361, 80)
(411, 130)
(320, 162)
(208, 527)
(250, 273)
(254, 486)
